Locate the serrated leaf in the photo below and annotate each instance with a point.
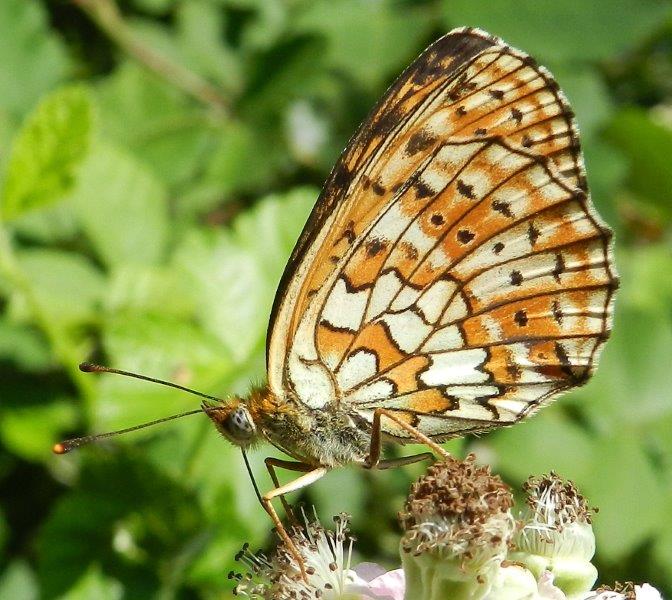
(569, 30)
(162, 346)
(33, 58)
(47, 151)
(155, 122)
(114, 188)
(143, 289)
(234, 274)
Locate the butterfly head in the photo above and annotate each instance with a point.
(233, 420)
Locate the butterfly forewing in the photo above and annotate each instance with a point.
(453, 269)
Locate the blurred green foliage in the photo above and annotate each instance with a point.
(157, 164)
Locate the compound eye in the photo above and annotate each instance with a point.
(240, 425)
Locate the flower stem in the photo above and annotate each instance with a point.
(106, 14)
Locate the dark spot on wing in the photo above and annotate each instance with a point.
(480, 131)
(526, 142)
(422, 190)
(516, 277)
(375, 247)
(502, 207)
(465, 236)
(532, 233)
(498, 247)
(377, 188)
(465, 189)
(557, 312)
(420, 141)
(461, 111)
(496, 94)
(437, 219)
(559, 266)
(514, 370)
(520, 318)
(517, 116)
(341, 177)
(410, 250)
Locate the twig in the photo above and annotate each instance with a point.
(106, 14)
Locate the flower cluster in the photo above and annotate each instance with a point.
(460, 541)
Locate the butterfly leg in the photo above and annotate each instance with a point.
(299, 483)
(271, 464)
(392, 463)
(377, 439)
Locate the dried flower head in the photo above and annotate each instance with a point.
(458, 510)
(326, 554)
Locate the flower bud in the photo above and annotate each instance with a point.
(557, 535)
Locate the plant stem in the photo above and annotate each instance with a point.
(106, 14)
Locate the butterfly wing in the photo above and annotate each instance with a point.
(453, 268)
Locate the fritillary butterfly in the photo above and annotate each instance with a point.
(453, 276)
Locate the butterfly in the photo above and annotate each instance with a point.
(452, 278)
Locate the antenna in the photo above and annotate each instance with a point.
(67, 445)
(87, 367)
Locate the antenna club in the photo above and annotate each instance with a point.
(87, 367)
(60, 449)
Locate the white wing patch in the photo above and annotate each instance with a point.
(455, 368)
(345, 309)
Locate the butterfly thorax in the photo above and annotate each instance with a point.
(326, 437)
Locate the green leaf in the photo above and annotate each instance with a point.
(33, 58)
(161, 127)
(19, 582)
(573, 30)
(143, 289)
(368, 40)
(234, 274)
(114, 188)
(648, 146)
(47, 151)
(200, 24)
(23, 346)
(125, 517)
(548, 441)
(232, 167)
(66, 286)
(162, 346)
(629, 514)
(30, 431)
(93, 584)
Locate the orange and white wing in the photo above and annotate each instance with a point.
(453, 268)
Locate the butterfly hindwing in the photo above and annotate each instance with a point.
(453, 269)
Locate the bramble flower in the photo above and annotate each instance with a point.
(327, 556)
(457, 525)
(557, 535)
(625, 591)
(460, 542)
